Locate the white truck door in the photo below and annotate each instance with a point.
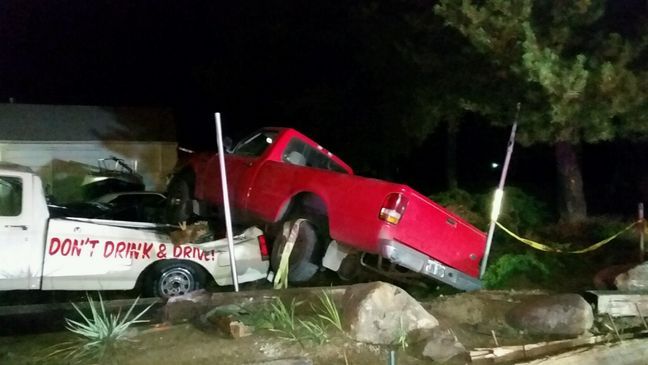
(21, 230)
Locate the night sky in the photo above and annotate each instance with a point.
(317, 66)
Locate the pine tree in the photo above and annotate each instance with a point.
(580, 80)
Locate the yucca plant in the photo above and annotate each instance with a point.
(97, 332)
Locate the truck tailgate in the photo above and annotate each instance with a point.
(436, 232)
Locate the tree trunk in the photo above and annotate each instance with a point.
(570, 181)
(451, 154)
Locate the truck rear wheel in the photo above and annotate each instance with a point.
(179, 199)
(174, 278)
(306, 254)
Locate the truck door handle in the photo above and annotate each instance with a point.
(451, 222)
(21, 226)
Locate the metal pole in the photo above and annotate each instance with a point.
(391, 360)
(642, 228)
(226, 204)
(499, 193)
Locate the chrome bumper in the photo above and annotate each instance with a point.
(421, 263)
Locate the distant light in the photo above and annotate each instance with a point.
(269, 140)
(494, 165)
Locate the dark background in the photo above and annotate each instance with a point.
(320, 67)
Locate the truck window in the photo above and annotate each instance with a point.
(10, 196)
(298, 152)
(255, 145)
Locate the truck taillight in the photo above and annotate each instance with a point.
(263, 248)
(393, 208)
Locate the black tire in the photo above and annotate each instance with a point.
(179, 203)
(173, 278)
(306, 255)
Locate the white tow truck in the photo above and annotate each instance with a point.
(42, 253)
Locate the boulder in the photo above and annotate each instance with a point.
(442, 346)
(186, 307)
(381, 313)
(634, 279)
(604, 279)
(561, 315)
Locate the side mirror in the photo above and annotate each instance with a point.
(228, 144)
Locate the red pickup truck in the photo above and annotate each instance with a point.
(278, 175)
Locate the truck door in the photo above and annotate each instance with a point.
(21, 230)
(242, 166)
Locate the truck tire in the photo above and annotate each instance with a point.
(179, 199)
(306, 254)
(173, 278)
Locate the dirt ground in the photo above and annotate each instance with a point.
(474, 318)
(185, 344)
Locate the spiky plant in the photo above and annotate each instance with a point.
(98, 332)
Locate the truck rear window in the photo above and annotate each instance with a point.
(10, 196)
(256, 144)
(299, 153)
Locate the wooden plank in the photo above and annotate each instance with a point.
(621, 304)
(530, 351)
(634, 352)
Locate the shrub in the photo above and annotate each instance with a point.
(512, 270)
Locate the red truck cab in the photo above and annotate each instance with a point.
(278, 175)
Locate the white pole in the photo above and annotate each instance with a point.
(226, 204)
(499, 193)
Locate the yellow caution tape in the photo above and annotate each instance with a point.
(541, 247)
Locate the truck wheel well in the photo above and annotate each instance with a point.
(152, 268)
(308, 205)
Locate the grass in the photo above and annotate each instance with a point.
(282, 319)
(328, 312)
(97, 332)
(401, 338)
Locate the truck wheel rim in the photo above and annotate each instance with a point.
(177, 281)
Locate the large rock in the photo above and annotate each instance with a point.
(381, 313)
(604, 279)
(561, 315)
(442, 346)
(633, 279)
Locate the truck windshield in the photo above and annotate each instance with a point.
(256, 144)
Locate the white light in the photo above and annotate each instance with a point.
(494, 165)
(497, 204)
(269, 140)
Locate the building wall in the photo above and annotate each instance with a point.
(62, 165)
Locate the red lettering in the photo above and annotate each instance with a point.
(92, 243)
(109, 248)
(119, 251)
(55, 245)
(199, 253)
(146, 250)
(187, 252)
(177, 251)
(76, 248)
(162, 254)
(66, 246)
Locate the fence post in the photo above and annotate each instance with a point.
(642, 229)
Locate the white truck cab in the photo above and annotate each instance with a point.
(69, 253)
